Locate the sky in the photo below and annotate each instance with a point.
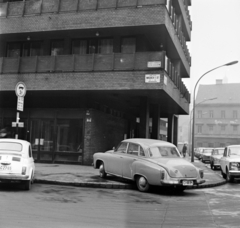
(215, 41)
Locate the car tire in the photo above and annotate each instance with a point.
(27, 185)
(228, 177)
(142, 184)
(102, 172)
(212, 166)
(223, 174)
(180, 189)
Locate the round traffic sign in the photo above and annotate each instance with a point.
(20, 89)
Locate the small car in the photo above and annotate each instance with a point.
(230, 163)
(217, 153)
(198, 152)
(16, 162)
(205, 155)
(148, 162)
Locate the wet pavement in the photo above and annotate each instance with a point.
(87, 176)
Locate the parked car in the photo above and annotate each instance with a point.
(148, 162)
(205, 155)
(199, 151)
(230, 163)
(217, 153)
(16, 162)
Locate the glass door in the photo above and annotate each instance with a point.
(41, 138)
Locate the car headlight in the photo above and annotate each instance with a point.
(234, 166)
(201, 173)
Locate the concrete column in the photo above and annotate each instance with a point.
(156, 122)
(172, 129)
(144, 118)
(175, 130)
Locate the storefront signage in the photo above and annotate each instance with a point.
(154, 64)
(152, 78)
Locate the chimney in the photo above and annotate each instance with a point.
(219, 81)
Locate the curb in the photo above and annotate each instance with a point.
(113, 186)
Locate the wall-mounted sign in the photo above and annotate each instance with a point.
(154, 64)
(20, 89)
(20, 103)
(152, 78)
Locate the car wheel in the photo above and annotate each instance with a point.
(27, 185)
(229, 178)
(102, 172)
(212, 166)
(180, 188)
(223, 174)
(142, 184)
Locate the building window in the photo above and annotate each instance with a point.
(211, 113)
(223, 114)
(57, 47)
(223, 127)
(69, 135)
(128, 45)
(199, 144)
(199, 114)
(92, 46)
(199, 128)
(222, 145)
(210, 128)
(235, 128)
(18, 49)
(211, 145)
(235, 114)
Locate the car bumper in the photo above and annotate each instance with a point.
(234, 173)
(181, 182)
(13, 177)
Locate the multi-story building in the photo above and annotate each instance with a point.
(217, 115)
(95, 71)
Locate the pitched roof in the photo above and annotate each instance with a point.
(224, 94)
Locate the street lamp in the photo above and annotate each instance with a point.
(193, 110)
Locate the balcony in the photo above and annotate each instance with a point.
(140, 61)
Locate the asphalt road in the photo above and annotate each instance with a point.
(60, 206)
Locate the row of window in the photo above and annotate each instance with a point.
(211, 144)
(79, 46)
(200, 114)
(211, 128)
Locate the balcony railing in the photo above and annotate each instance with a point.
(33, 7)
(145, 61)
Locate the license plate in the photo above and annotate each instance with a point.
(187, 183)
(5, 167)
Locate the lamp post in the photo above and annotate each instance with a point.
(193, 109)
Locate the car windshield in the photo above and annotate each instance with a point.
(234, 151)
(207, 151)
(10, 146)
(219, 151)
(163, 151)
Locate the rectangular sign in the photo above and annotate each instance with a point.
(152, 78)
(20, 124)
(20, 104)
(154, 64)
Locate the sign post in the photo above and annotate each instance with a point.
(20, 91)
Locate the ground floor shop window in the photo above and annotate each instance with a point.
(69, 136)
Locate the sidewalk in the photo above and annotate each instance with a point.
(87, 176)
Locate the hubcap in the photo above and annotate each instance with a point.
(142, 182)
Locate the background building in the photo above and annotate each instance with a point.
(96, 72)
(217, 121)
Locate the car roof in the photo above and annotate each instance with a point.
(24, 142)
(233, 146)
(148, 142)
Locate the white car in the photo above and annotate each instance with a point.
(149, 162)
(217, 153)
(16, 162)
(230, 163)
